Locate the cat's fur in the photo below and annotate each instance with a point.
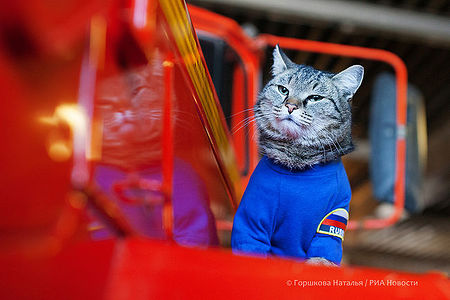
(131, 112)
(317, 131)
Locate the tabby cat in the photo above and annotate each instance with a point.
(297, 200)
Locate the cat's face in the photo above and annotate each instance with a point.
(130, 111)
(131, 108)
(305, 105)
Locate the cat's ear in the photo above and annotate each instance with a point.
(349, 80)
(280, 61)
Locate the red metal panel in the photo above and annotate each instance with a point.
(184, 39)
(148, 270)
(167, 146)
(78, 272)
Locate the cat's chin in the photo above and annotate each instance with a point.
(290, 129)
(126, 129)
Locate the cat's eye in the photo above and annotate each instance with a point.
(283, 90)
(137, 90)
(315, 98)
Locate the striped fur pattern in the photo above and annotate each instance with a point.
(303, 115)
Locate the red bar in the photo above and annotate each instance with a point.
(334, 223)
(167, 145)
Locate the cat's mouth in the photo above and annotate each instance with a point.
(290, 127)
(291, 120)
(302, 121)
(294, 126)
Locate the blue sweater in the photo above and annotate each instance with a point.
(293, 213)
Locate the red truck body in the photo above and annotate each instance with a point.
(60, 66)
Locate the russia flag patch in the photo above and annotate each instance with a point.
(334, 223)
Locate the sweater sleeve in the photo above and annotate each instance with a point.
(253, 221)
(327, 241)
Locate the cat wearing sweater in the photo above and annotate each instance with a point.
(297, 200)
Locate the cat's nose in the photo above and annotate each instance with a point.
(291, 104)
(291, 107)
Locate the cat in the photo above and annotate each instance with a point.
(130, 105)
(131, 111)
(296, 202)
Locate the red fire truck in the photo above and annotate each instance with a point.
(120, 172)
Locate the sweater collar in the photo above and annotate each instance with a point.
(327, 167)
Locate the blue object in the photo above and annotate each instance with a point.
(194, 222)
(383, 134)
(282, 211)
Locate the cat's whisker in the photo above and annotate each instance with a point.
(242, 122)
(305, 121)
(332, 141)
(306, 116)
(241, 112)
(330, 137)
(321, 144)
(247, 121)
(244, 125)
(255, 132)
(339, 145)
(256, 116)
(327, 137)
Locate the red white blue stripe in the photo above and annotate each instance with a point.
(334, 223)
